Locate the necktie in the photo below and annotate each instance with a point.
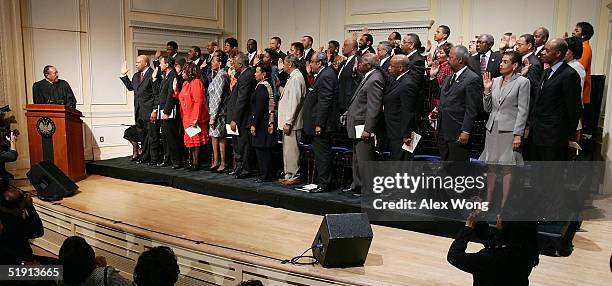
(483, 63)
(547, 73)
(141, 76)
(452, 81)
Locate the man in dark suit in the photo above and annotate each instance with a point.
(275, 45)
(365, 44)
(144, 114)
(194, 55)
(384, 56)
(308, 50)
(541, 35)
(347, 78)
(322, 117)
(556, 108)
(396, 42)
(530, 67)
(486, 60)
(238, 111)
(460, 99)
(211, 47)
(163, 80)
(362, 117)
(401, 105)
(413, 48)
(252, 51)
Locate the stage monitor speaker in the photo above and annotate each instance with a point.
(50, 182)
(343, 240)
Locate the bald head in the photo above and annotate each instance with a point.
(350, 47)
(398, 65)
(142, 62)
(554, 51)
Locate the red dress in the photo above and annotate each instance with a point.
(193, 106)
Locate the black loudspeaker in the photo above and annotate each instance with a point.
(50, 182)
(343, 240)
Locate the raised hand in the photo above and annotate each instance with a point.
(204, 64)
(175, 86)
(565, 35)
(355, 35)
(525, 69)
(155, 72)
(280, 64)
(124, 68)
(460, 40)
(157, 53)
(430, 60)
(487, 82)
(428, 46)
(435, 68)
(365, 30)
(512, 41)
(503, 44)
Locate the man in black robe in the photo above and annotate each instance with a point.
(52, 90)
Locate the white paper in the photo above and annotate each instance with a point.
(192, 131)
(359, 130)
(307, 188)
(413, 144)
(228, 129)
(575, 145)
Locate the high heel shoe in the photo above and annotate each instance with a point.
(214, 168)
(221, 170)
(134, 159)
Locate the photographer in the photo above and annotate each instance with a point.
(8, 153)
(19, 222)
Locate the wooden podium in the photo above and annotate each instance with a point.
(55, 133)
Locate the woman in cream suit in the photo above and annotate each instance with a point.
(507, 99)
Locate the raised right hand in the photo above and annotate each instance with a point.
(435, 68)
(124, 68)
(487, 82)
(175, 85)
(157, 53)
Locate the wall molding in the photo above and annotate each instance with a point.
(390, 27)
(215, 17)
(425, 5)
(163, 29)
(108, 114)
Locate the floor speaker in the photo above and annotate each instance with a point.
(50, 182)
(343, 240)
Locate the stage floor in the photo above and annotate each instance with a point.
(265, 235)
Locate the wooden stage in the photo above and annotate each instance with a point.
(221, 242)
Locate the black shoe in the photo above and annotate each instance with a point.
(318, 190)
(176, 167)
(195, 168)
(152, 163)
(259, 180)
(213, 168)
(141, 161)
(163, 164)
(350, 190)
(232, 173)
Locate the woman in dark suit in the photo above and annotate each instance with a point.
(507, 99)
(262, 122)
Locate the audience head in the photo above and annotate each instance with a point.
(333, 47)
(142, 62)
(212, 46)
(484, 43)
(230, 44)
(251, 46)
(251, 283)
(166, 63)
(178, 65)
(51, 73)
(275, 43)
(458, 58)
(399, 64)
(554, 51)
(583, 30)
(365, 41)
(525, 44)
(78, 259)
(522, 236)
(156, 267)
(194, 53)
(472, 46)
(270, 56)
(541, 35)
(241, 62)
(297, 49)
(383, 50)
(510, 62)
(444, 52)
(262, 71)
(442, 33)
(171, 48)
(307, 42)
(290, 63)
(395, 39)
(350, 47)
(13, 200)
(574, 49)
(412, 42)
(191, 72)
(219, 61)
(367, 63)
(318, 61)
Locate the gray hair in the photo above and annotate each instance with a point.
(387, 46)
(370, 59)
(489, 38)
(321, 57)
(242, 59)
(462, 53)
(403, 59)
(545, 32)
(291, 58)
(354, 42)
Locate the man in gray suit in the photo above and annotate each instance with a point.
(460, 100)
(363, 113)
